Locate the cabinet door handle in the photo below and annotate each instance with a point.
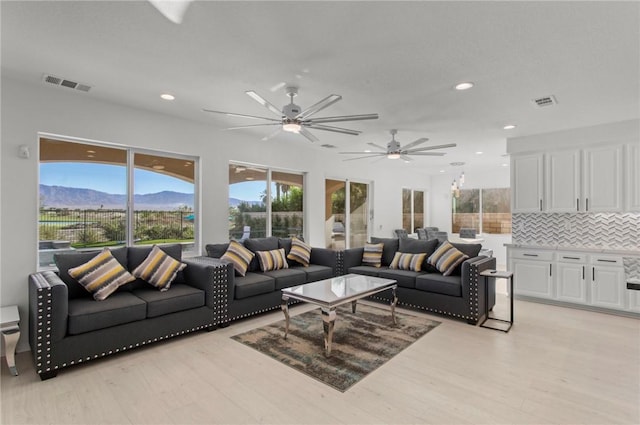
(582, 272)
(540, 204)
(593, 275)
(587, 203)
(571, 258)
(549, 269)
(529, 255)
(577, 204)
(606, 261)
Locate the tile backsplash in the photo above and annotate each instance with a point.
(581, 230)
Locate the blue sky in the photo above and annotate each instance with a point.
(247, 191)
(108, 178)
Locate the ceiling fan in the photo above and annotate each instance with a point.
(294, 119)
(395, 151)
(173, 10)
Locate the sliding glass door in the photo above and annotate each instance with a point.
(346, 213)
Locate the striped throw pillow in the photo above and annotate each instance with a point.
(101, 275)
(272, 260)
(300, 252)
(158, 269)
(372, 255)
(446, 258)
(239, 256)
(405, 261)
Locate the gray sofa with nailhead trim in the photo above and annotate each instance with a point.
(67, 326)
(460, 295)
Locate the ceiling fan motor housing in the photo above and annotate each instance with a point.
(393, 146)
(291, 110)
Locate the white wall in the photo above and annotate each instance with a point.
(440, 204)
(28, 109)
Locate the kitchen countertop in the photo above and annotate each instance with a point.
(613, 251)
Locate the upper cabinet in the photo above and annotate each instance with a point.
(526, 183)
(592, 179)
(633, 177)
(602, 179)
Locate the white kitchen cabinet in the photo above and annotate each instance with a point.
(563, 181)
(607, 284)
(602, 179)
(571, 277)
(532, 273)
(527, 183)
(633, 177)
(634, 300)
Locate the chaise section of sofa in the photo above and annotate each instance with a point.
(68, 326)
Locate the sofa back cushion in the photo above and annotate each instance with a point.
(64, 262)
(259, 244)
(390, 248)
(216, 250)
(419, 246)
(471, 250)
(137, 254)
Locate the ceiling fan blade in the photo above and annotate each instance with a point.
(367, 156)
(415, 143)
(172, 10)
(342, 118)
(406, 158)
(426, 153)
(335, 129)
(232, 114)
(363, 152)
(255, 96)
(429, 148)
(377, 146)
(306, 133)
(251, 125)
(272, 135)
(327, 101)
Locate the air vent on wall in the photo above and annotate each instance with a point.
(57, 81)
(545, 101)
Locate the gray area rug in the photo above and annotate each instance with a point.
(362, 342)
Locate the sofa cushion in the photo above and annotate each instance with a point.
(405, 278)
(253, 284)
(288, 277)
(259, 244)
(216, 250)
(365, 270)
(446, 258)
(404, 261)
(64, 262)
(315, 272)
(300, 252)
(86, 314)
(272, 260)
(390, 247)
(137, 254)
(239, 256)
(158, 269)
(101, 275)
(179, 298)
(372, 255)
(439, 284)
(416, 246)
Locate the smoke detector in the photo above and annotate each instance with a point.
(63, 82)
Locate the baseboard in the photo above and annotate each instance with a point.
(596, 309)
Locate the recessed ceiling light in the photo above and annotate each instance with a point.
(505, 164)
(91, 151)
(509, 127)
(442, 171)
(167, 96)
(367, 150)
(91, 156)
(158, 167)
(479, 153)
(248, 178)
(464, 86)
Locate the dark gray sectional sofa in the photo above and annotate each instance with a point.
(67, 326)
(460, 295)
(259, 291)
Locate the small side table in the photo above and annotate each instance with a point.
(10, 328)
(498, 274)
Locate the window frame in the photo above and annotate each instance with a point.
(480, 212)
(412, 212)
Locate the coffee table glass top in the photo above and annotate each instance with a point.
(339, 289)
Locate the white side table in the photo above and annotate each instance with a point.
(10, 328)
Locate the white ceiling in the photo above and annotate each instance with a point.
(398, 59)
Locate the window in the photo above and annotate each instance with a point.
(486, 210)
(346, 214)
(264, 202)
(85, 201)
(412, 209)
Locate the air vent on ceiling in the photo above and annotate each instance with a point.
(57, 81)
(545, 101)
(328, 146)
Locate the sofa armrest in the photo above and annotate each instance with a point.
(48, 316)
(352, 257)
(221, 275)
(473, 285)
(207, 277)
(325, 257)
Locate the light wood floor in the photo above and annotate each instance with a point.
(556, 366)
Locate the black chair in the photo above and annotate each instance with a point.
(467, 233)
(422, 233)
(401, 233)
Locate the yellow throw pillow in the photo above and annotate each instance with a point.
(272, 260)
(300, 252)
(405, 261)
(372, 255)
(158, 269)
(239, 256)
(101, 275)
(446, 258)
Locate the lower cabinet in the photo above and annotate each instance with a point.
(634, 300)
(608, 285)
(571, 274)
(532, 273)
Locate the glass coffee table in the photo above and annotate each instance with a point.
(331, 293)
